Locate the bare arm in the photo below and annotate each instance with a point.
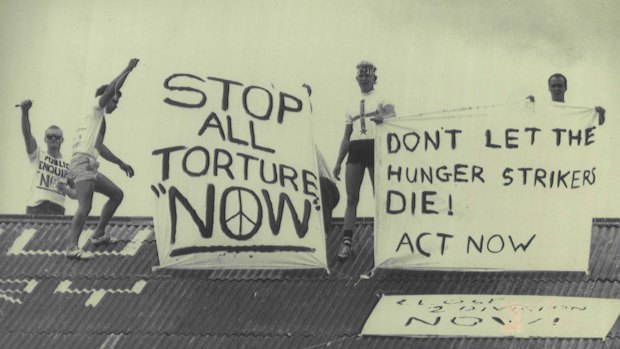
(116, 84)
(344, 149)
(108, 155)
(31, 143)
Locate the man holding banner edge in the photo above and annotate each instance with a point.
(558, 84)
(358, 143)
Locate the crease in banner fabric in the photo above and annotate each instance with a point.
(501, 188)
(238, 183)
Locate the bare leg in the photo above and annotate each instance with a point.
(353, 180)
(371, 172)
(115, 197)
(84, 191)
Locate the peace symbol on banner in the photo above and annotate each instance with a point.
(247, 216)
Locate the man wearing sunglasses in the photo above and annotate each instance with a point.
(87, 147)
(48, 188)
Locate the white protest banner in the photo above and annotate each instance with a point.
(239, 186)
(492, 316)
(498, 188)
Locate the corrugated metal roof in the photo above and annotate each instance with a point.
(167, 341)
(116, 301)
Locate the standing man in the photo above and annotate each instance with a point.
(558, 86)
(49, 178)
(359, 142)
(88, 145)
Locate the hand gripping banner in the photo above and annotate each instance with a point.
(497, 188)
(239, 185)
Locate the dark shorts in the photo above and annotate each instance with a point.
(46, 208)
(362, 152)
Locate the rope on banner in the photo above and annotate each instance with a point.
(482, 107)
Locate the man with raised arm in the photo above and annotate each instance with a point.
(48, 188)
(87, 147)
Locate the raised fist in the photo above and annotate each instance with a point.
(25, 105)
(133, 63)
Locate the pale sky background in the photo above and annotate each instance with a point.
(431, 55)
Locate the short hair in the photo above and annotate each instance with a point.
(558, 75)
(53, 127)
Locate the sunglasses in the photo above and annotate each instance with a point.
(55, 137)
(361, 74)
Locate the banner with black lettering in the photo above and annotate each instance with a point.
(494, 188)
(458, 315)
(239, 185)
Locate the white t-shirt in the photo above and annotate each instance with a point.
(88, 131)
(47, 173)
(367, 105)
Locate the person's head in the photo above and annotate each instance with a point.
(113, 102)
(366, 77)
(557, 86)
(53, 138)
